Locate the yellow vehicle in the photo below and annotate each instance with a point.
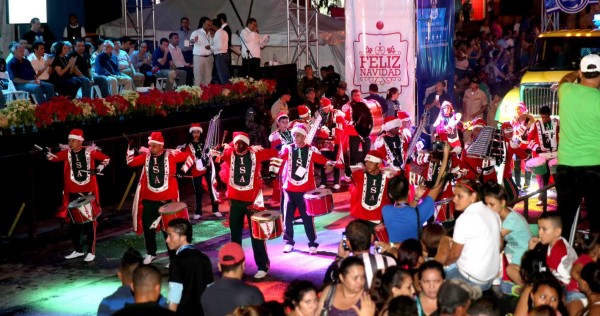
(555, 54)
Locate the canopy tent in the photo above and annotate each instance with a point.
(270, 14)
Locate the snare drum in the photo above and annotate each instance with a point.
(377, 115)
(171, 211)
(381, 233)
(552, 165)
(325, 144)
(267, 225)
(84, 209)
(537, 165)
(318, 202)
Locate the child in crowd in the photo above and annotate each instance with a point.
(560, 255)
(436, 243)
(446, 125)
(589, 248)
(392, 282)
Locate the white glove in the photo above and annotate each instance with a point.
(100, 168)
(325, 129)
(256, 148)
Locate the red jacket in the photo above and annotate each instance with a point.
(189, 148)
(367, 199)
(307, 182)
(512, 148)
(237, 173)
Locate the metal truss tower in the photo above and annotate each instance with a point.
(136, 26)
(303, 33)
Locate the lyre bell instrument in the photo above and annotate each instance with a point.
(212, 135)
(316, 125)
(488, 144)
(416, 137)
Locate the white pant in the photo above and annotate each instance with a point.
(203, 67)
(115, 81)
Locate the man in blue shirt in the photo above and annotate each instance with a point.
(374, 95)
(106, 65)
(23, 76)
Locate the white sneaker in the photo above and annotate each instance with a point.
(312, 250)
(218, 214)
(260, 274)
(74, 255)
(322, 186)
(336, 187)
(149, 259)
(167, 265)
(497, 281)
(288, 248)
(197, 216)
(90, 257)
(348, 179)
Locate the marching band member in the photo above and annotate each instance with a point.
(329, 139)
(303, 116)
(282, 136)
(406, 128)
(199, 170)
(511, 148)
(80, 179)
(478, 168)
(358, 128)
(391, 145)
(157, 187)
(543, 142)
(369, 191)
(242, 165)
(521, 125)
(298, 178)
(447, 125)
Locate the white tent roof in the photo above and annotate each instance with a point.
(270, 14)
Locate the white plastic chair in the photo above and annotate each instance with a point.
(12, 93)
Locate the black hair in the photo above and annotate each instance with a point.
(163, 40)
(222, 16)
(553, 217)
(130, 260)
(384, 281)
(391, 91)
(484, 306)
(126, 39)
(173, 35)
(470, 186)
(57, 48)
(295, 292)
(409, 253)
(545, 110)
(202, 21)
(533, 266)
(250, 20)
(231, 267)
(431, 236)
(591, 274)
(217, 22)
(591, 75)
(401, 306)
(145, 278)
(431, 265)
(358, 233)
(495, 190)
(347, 263)
(542, 310)
(184, 18)
(77, 40)
(373, 87)
(550, 282)
(37, 44)
(182, 227)
(398, 188)
(584, 243)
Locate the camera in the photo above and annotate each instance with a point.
(345, 242)
(437, 146)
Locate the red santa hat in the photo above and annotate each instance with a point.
(241, 136)
(506, 128)
(390, 123)
(522, 107)
(477, 123)
(403, 116)
(325, 103)
(300, 128)
(303, 111)
(374, 156)
(76, 134)
(195, 127)
(282, 115)
(447, 103)
(156, 138)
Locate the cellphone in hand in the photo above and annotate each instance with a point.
(345, 242)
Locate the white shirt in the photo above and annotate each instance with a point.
(478, 230)
(253, 42)
(39, 64)
(122, 58)
(177, 56)
(219, 45)
(201, 40)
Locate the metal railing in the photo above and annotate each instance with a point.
(529, 195)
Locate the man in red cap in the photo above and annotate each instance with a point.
(329, 139)
(242, 165)
(224, 295)
(200, 169)
(391, 145)
(282, 136)
(369, 191)
(511, 148)
(80, 179)
(157, 186)
(478, 168)
(298, 178)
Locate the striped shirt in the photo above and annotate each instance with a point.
(374, 262)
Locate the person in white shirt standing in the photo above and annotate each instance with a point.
(219, 48)
(179, 59)
(252, 43)
(40, 61)
(203, 55)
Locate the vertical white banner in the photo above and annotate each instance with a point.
(380, 41)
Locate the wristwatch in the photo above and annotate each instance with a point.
(392, 245)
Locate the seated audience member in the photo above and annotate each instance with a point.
(514, 230)
(301, 298)
(542, 310)
(430, 278)
(392, 282)
(146, 290)
(476, 239)
(121, 52)
(142, 62)
(436, 243)
(179, 59)
(23, 76)
(401, 218)
(340, 97)
(230, 292)
(455, 296)
(400, 306)
(348, 294)
(161, 58)
(543, 292)
(590, 285)
(63, 75)
(83, 71)
(250, 310)
(589, 249)
(560, 255)
(106, 65)
(358, 242)
(123, 295)
(40, 61)
(484, 306)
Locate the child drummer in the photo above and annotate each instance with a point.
(80, 180)
(242, 164)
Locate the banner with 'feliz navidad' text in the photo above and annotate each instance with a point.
(380, 36)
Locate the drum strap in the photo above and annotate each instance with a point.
(419, 223)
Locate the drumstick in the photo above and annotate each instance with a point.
(42, 149)
(93, 173)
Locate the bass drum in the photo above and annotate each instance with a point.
(377, 115)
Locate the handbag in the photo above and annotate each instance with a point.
(328, 301)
